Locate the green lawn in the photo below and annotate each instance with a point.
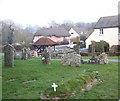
(109, 57)
(0, 76)
(29, 78)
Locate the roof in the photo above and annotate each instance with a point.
(107, 22)
(44, 41)
(89, 32)
(53, 32)
(79, 30)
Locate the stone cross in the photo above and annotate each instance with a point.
(9, 55)
(54, 87)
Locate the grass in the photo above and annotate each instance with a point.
(109, 57)
(0, 76)
(30, 78)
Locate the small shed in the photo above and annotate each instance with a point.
(44, 42)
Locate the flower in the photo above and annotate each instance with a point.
(43, 58)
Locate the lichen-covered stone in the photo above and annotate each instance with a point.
(24, 53)
(103, 59)
(9, 55)
(71, 59)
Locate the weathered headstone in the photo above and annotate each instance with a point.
(9, 55)
(46, 57)
(77, 47)
(93, 59)
(103, 59)
(28, 52)
(50, 52)
(24, 53)
(71, 59)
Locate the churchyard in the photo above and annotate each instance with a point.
(69, 77)
(31, 79)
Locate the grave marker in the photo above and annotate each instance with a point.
(9, 55)
(54, 87)
(24, 53)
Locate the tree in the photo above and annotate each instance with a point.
(20, 34)
(6, 31)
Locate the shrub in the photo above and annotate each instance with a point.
(101, 46)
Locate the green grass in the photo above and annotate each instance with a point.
(0, 76)
(16, 87)
(109, 57)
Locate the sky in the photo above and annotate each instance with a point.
(42, 12)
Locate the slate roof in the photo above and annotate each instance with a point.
(89, 32)
(53, 32)
(79, 30)
(44, 41)
(107, 22)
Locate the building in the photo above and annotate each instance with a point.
(119, 21)
(105, 29)
(55, 34)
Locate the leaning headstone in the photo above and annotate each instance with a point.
(9, 55)
(24, 53)
(29, 55)
(103, 59)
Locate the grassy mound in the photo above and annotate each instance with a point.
(67, 88)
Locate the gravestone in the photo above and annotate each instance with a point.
(93, 59)
(45, 57)
(24, 53)
(50, 52)
(9, 55)
(103, 59)
(29, 55)
(77, 47)
(71, 59)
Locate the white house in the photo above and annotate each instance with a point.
(105, 29)
(73, 36)
(119, 21)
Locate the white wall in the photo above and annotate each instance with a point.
(110, 35)
(73, 36)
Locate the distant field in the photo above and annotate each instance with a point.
(29, 78)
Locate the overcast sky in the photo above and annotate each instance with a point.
(42, 12)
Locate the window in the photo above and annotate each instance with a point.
(119, 29)
(72, 33)
(101, 31)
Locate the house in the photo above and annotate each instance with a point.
(105, 29)
(119, 21)
(55, 34)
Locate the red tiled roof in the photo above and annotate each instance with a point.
(44, 41)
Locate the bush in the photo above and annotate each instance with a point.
(101, 46)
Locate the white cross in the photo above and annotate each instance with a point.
(54, 86)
